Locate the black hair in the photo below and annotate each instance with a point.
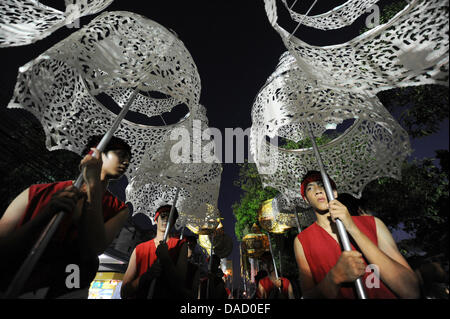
(260, 275)
(350, 202)
(353, 204)
(114, 144)
(168, 208)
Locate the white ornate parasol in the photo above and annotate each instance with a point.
(27, 21)
(160, 175)
(115, 53)
(410, 49)
(373, 146)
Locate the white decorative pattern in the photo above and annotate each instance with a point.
(114, 53)
(373, 146)
(26, 21)
(158, 177)
(339, 17)
(410, 49)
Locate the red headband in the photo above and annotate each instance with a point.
(313, 178)
(161, 210)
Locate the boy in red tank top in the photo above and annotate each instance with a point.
(155, 260)
(271, 288)
(93, 218)
(326, 271)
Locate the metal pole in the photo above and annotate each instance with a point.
(273, 258)
(182, 232)
(39, 247)
(210, 264)
(297, 219)
(340, 226)
(166, 234)
(280, 256)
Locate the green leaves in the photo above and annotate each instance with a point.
(419, 202)
(246, 210)
(420, 109)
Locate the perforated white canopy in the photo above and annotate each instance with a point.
(410, 49)
(373, 145)
(24, 22)
(113, 54)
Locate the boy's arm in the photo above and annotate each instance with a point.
(261, 293)
(394, 270)
(130, 281)
(114, 225)
(14, 213)
(290, 292)
(16, 243)
(91, 225)
(327, 288)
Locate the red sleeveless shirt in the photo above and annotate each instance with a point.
(40, 194)
(322, 253)
(268, 285)
(146, 253)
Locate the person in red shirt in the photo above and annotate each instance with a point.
(93, 218)
(327, 272)
(269, 287)
(166, 263)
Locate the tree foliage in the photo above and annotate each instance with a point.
(420, 109)
(419, 202)
(253, 193)
(246, 210)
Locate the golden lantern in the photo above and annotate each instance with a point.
(207, 228)
(266, 218)
(213, 228)
(255, 243)
(223, 244)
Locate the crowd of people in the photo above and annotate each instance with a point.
(163, 269)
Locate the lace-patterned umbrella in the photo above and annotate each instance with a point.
(289, 106)
(118, 53)
(373, 145)
(410, 49)
(161, 174)
(114, 54)
(27, 21)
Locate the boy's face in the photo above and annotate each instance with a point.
(115, 163)
(316, 195)
(162, 220)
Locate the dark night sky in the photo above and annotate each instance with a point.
(235, 50)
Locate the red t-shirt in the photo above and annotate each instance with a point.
(146, 253)
(268, 285)
(322, 253)
(40, 195)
